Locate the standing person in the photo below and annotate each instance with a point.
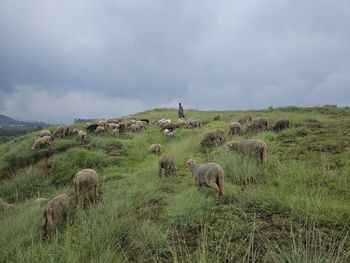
(181, 111)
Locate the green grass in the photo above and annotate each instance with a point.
(293, 208)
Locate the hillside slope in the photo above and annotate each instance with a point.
(294, 208)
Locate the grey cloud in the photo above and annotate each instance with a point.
(230, 54)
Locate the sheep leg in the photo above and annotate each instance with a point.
(216, 188)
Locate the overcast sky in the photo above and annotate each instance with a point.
(63, 59)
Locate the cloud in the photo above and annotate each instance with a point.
(31, 103)
(231, 54)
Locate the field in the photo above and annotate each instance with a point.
(293, 208)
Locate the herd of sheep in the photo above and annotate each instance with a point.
(206, 174)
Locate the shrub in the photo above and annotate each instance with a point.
(25, 184)
(65, 166)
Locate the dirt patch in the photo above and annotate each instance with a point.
(186, 241)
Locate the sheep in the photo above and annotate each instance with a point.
(61, 131)
(234, 128)
(180, 123)
(166, 131)
(87, 125)
(168, 125)
(45, 133)
(116, 132)
(82, 136)
(113, 120)
(245, 119)
(251, 147)
(102, 123)
(258, 124)
(35, 138)
(155, 148)
(55, 212)
(170, 134)
(281, 124)
(113, 125)
(194, 123)
(211, 136)
(99, 130)
(167, 163)
(85, 181)
(46, 140)
(135, 127)
(210, 174)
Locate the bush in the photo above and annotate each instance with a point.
(25, 184)
(65, 166)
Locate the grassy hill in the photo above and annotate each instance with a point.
(294, 208)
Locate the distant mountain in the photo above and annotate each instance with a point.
(7, 121)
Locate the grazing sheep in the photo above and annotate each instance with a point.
(180, 123)
(245, 119)
(234, 128)
(35, 138)
(85, 182)
(102, 123)
(134, 127)
(168, 125)
(167, 163)
(113, 125)
(216, 118)
(281, 124)
(113, 120)
(194, 123)
(99, 130)
(45, 133)
(210, 174)
(252, 147)
(46, 140)
(258, 124)
(170, 134)
(55, 212)
(166, 131)
(82, 136)
(155, 148)
(61, 131)
(116, 132)
(211, 136)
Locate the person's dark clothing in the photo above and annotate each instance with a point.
(181, 112)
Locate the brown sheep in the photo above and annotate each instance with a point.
(55, 212)
(210, 174)
(251, 147)
(281, 124)
(102, 123)
(194, 123)
(245, 119)
(45, 133)
(234, 128)
(82, 136)
(258, 124)
(116, 132)
(43, 141)
(155, 148)
(211, 136)
(85, 184)
(99, 130)
(180, 123)
(61, 131)
(167, 163)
